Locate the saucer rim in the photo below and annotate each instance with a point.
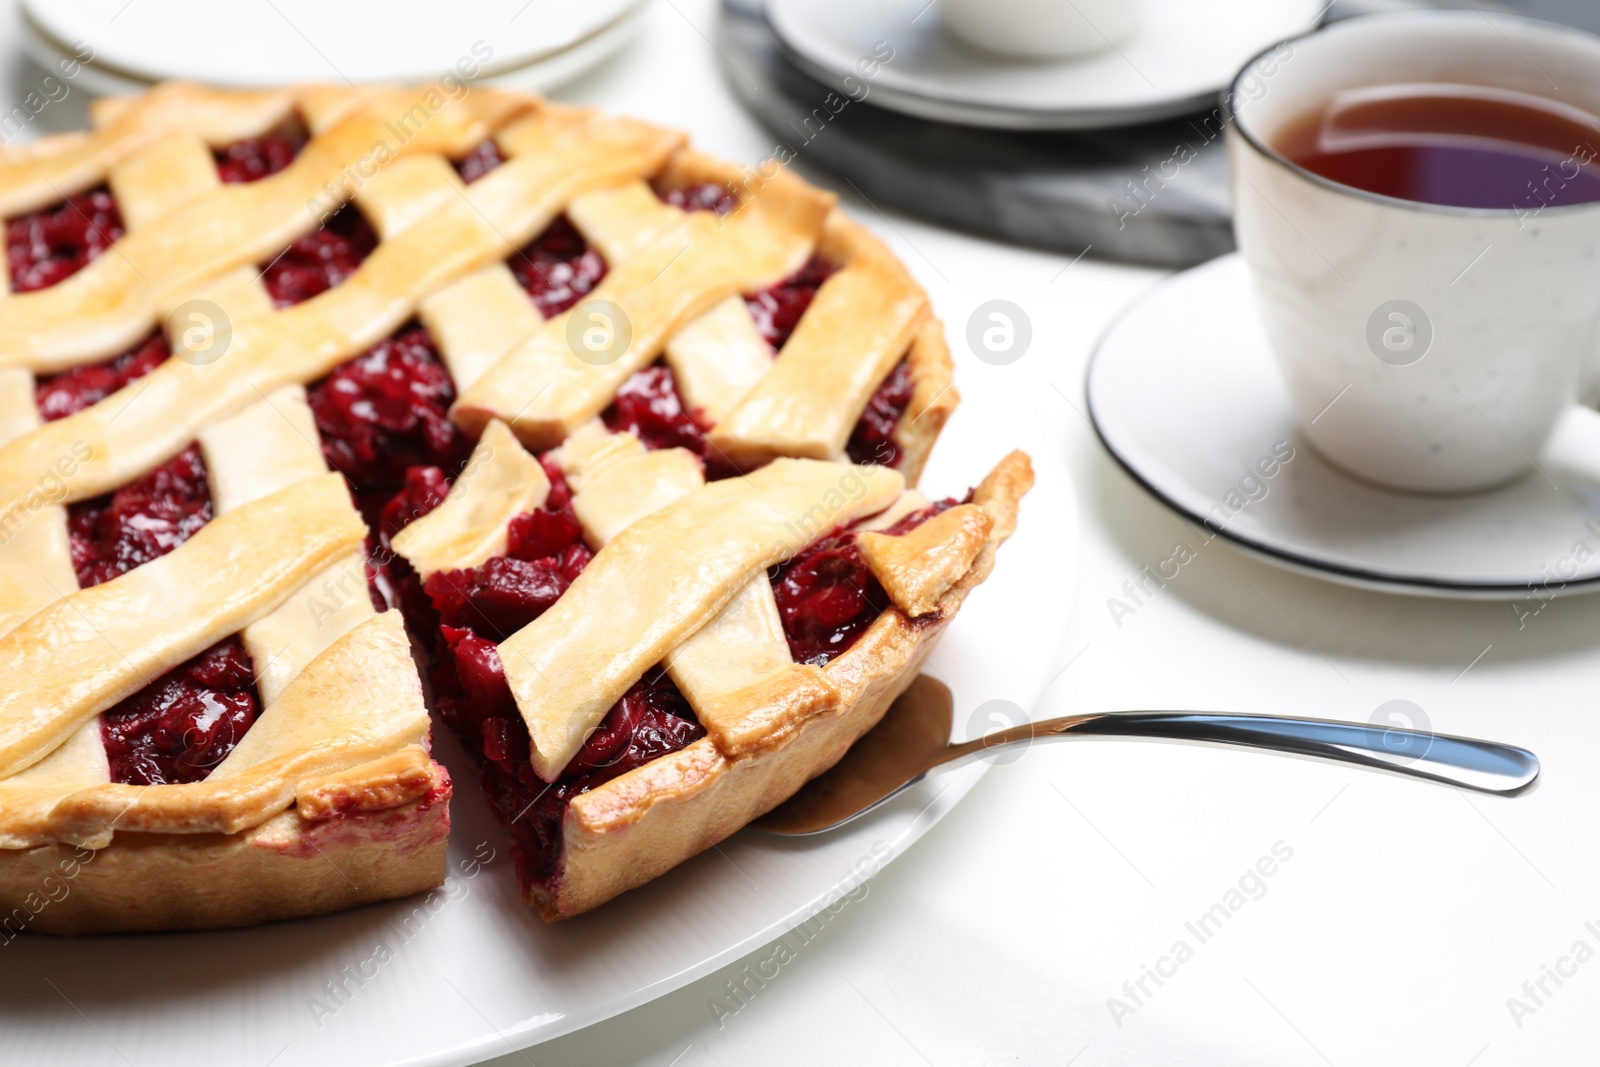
(934, 109)
(1355, 577)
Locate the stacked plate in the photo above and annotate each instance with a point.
(1176, 62)
(127, 47)
(1045, 153)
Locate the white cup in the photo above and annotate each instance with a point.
(1424, 347)
(1041, 29)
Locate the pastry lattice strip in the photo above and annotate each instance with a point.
(35, 553)
(148, 181)
(735, 668)
(35, 556)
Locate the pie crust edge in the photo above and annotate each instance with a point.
(286, 868)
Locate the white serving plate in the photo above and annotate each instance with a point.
(468, 972)
(537, 44)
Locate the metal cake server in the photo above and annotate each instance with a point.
(914, 738)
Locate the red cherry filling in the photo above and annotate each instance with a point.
(144, 520)
(650, 721)
(872, 441)
(385, 412)
(43, 247)
(480, 161)
(469, 611)
(180, 726)
(321, 259)
(424, 490)
(557, 268)
(777, 308)
(650, 407)
(545, 552)
(69, 392)
(916, 518)
(255, 158)
(827, 595)
(701, 196)
(504, 594)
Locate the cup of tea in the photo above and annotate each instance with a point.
(1418, 199)
(1041, 29)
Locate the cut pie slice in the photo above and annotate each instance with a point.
(622, 432)
(649, 661)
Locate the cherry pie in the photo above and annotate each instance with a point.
(620, 433)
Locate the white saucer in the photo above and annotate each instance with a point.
(1177, 62)
(253, 45)
(1184, 392)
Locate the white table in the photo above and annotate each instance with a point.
(1407, 914)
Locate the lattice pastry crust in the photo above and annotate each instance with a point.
(331, 799)
(768, 739)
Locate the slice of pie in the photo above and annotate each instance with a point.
(624, 435)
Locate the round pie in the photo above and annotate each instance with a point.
(302, 388)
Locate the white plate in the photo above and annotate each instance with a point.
(1180, 59)
(541, 76)
(1184, 393)
(476, 974)
(554, 71)
(289, 41)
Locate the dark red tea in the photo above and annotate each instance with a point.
(1455, 145)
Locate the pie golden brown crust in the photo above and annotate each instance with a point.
(332, 799)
